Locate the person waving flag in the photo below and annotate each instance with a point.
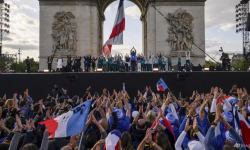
(69, 123)
(116, 37)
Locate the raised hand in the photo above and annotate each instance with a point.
(187, 126)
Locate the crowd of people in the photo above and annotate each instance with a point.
(118, 121)
(118, 63)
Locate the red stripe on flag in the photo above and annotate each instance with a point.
(51, 125)
(118, 29)
(160, 88)
(106, 50)
(245, 132)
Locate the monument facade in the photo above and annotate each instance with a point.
(76, 27)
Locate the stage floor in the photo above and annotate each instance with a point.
(41, 84)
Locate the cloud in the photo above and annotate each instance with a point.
(27, 7)
(219, 14)
(213, 42)
(5, 38)
(227, 27)
(133, 11)
(23, 46)
(13, 6)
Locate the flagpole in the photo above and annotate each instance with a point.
(80, 141)
(170, 91)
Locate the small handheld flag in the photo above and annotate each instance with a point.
(69, 123)
(161, 85)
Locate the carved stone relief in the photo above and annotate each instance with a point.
(64, 30)
(180, 31)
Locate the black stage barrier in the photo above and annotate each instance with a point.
(40, 85)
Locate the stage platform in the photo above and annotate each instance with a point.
(41, 84)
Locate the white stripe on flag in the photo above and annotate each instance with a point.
(62, 120)
(119, 16)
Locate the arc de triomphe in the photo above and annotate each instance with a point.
(76, 27)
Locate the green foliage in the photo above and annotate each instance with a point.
(211, 63)
(240, 65)
(21, 67)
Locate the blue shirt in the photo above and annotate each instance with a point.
(159, 60)
(123, 125)
(170, 60)
(133, 56)
(104, 61)
(179, 59)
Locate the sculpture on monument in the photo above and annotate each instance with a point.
(64, 32)
(181, 30)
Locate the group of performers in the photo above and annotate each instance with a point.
(115, 63)
(73, 64)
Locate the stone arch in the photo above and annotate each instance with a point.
(138, 3)
(141, 4)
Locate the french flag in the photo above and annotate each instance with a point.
(242, 127)
(116, 37)
(69, 123)
(161, 85)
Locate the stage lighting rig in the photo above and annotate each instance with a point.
(242, 23)
(4, 21)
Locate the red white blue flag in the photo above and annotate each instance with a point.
(116, 37)
(161, 85)
(242, 127)
(69, 123)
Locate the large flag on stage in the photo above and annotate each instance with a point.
(161, 85)
(116, 37)
(69, 123)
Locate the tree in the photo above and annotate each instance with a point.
(22, 67)
(209, 63)
(239, 66)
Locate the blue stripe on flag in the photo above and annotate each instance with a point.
(120, 3)
(77, 121)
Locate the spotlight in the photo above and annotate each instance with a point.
(155, 69)
(99, 70)
(173, 70)
(206, 69)
(46, 70)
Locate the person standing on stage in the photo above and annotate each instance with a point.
(78, 64)
(104, 64)
(127, 62)
(142, 63)
(69, 63)
(114, 63)
(169, 63)
(146, 64)
(87, 61)
(49, 62)
(93, 60)
(110, 61)
(164, 62)
(73, 64)
(179, 62)
(155, 61)
(160, 62)
(139, 63)
(133, 59)
(150, 62)
(28, 64)
(99, 62)
(225, 61)
(59, 64)
(118, 63)
(188, 61)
